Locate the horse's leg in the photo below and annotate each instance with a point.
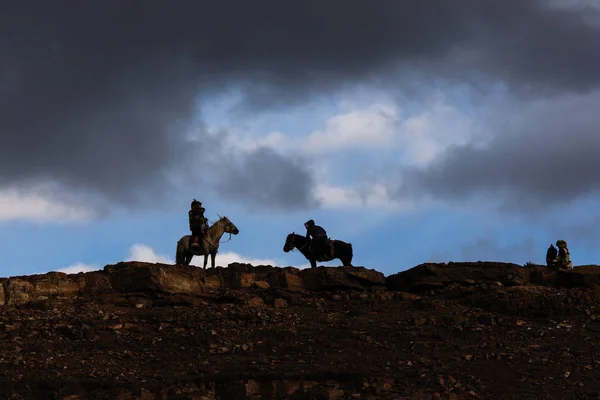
(347, 251)
(345, 261)
(179, 253)
(313, 263)
(205, 259)
(212, 258)
(188, 258)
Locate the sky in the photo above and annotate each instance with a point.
(418, 132)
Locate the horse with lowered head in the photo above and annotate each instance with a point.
(209, 245)
(341, 250)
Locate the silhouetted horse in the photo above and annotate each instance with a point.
(342, 250)
(209, 245)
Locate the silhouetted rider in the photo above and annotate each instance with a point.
(319, 235)
(197, 222)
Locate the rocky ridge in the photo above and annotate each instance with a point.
(154, 331)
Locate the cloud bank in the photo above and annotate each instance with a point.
(144, 253)
(105, 100)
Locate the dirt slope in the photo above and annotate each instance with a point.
(152, 331)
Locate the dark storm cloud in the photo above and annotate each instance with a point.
(542, 154)
(274, 180)
(96, 96)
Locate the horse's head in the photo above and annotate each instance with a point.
(229, 226)
(289, 242)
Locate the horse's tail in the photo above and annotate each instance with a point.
(350, 252)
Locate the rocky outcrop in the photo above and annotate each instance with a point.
(431, 276)
(20, 290)
(273, 282)
(137, 277)
(435, 276)
(316, 279)
(140, 277)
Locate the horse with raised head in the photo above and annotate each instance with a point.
(209, 245)
(341, 250)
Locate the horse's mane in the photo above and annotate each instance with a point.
(220, 219)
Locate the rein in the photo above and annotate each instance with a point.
(213, 224)
(227, 239)
(294, 248)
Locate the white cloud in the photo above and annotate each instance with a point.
(144, 253)
(374, 196)
(35, 205)
(417, 139)
(428, 134)
(229, 257)
(370, 128)
(79, 267)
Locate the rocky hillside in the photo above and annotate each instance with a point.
(436, 331)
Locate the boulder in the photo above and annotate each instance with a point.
(288, 281)
(260, 272)
(235, 276)
(239, 279)
(23, 289)
(431, 276)
(96, 282)
(144, 277)
(57, 284)
(353, 278)
(19, 291)
(261, 285)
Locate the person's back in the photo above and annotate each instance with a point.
(319, 236)
(314, 231)
(317, 232)
(563, 260)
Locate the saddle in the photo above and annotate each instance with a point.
(322, 249)
(195, 247)
(195, 240)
